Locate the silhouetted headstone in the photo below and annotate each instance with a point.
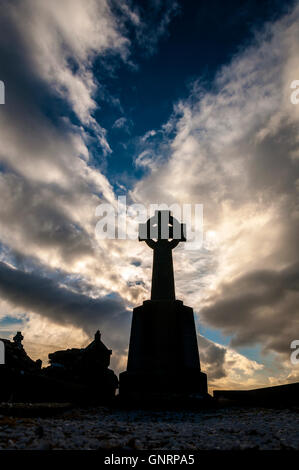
(19, 373)
(18, 339)
(16, 358)
(163, 352)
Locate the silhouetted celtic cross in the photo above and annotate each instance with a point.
(162, 233)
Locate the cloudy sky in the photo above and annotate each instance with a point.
(161, 102)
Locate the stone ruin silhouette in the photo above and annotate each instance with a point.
(74, 375)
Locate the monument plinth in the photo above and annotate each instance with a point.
(163, 355)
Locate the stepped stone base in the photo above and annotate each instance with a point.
(163, 353)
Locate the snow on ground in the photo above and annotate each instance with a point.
(103, 428)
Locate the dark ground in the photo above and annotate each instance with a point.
(228, 428)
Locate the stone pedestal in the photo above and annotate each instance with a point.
(163, 353)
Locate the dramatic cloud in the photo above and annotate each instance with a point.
(234, 148)
(59, 304)
(259, 307)
(227, 368)
(51, 152)
(212, 358)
